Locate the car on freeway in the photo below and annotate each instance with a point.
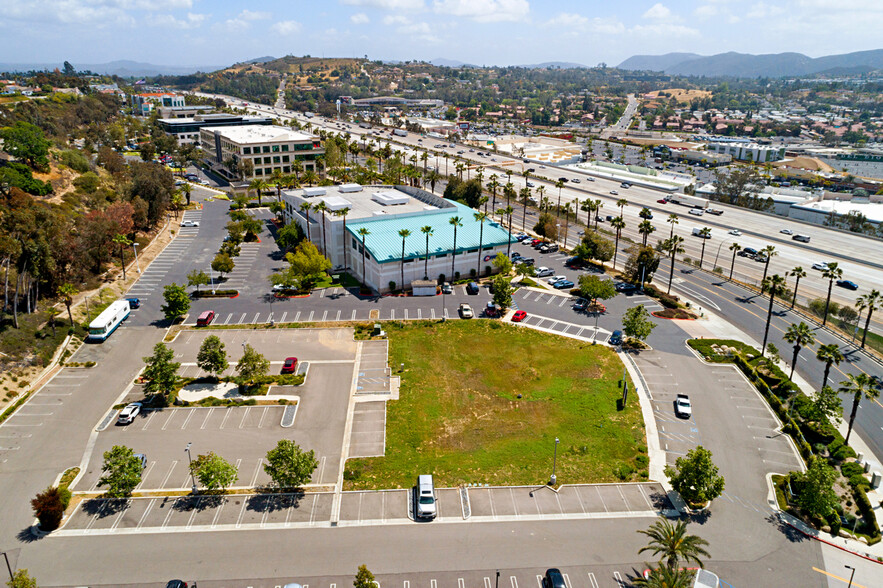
(614, 193)
(530, 184)
(736, 232)
(447, 288)
(554, 279)
(580, 305)
(190, 223)
(683, 408)
(696, 211)
(563, 285)
(128, 414)
(519, 316)
(615, 338)
(466, 311)
(787, 232)
(554, 579)
(821, 266)
(543, 271)
(575, 180)
(290, 365)
(662, 201)
(848, 284)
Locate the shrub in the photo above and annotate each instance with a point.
(74, 160)
(392, 285)
(441, 278)
(49, 508)
(867, 512)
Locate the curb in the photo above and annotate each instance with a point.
(783, 516)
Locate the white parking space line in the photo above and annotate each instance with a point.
(263, 414)
(226, 416)
(169, 474)
(207, 415)
(244, 416)
(171, 416)
(144, 515)
(242, 318)
(354, 315)
(592, 581)
(297, 316)
(309, 320)
(338, 316)
(324, 316)
(256, 315)
(257, 470)
(229, 316)
(150, 417)
(282, 320)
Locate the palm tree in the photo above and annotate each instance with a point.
(831, 273)
(598, 206)
(525, 200)
(343, 212)
(492, 185)
(769, 251)
(869, 301)
(186, 189)
(320, 208)
(305, 208)
(363, 232)
(775, 285)
(673, 246)
(735, 248)
(67, 292)
(673, 545)
(404, 234)
(432, 176)
(427, 230)
(664, 577)
(568, 206)
(797, 273)
(122, 241)
(704, 232)
(622, 203)
(829, 354)
(860, 386)
(480, 217)
(454, 221)
(618, 224)
(255, 185)
(799, 335)
(559, 184)
(645, 228)
(588, 206)
(508, 212)
(673, 220)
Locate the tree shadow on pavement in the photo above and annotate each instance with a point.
(790, 533)
(104, 507)
(29, 535)
(275, 502)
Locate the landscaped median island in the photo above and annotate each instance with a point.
(482, 402)
(831, 494)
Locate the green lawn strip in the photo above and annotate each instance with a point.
(458, 415)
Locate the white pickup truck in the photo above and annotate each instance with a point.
(683, 408)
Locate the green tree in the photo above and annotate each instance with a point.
(817, 496)
(22, 579)
(480, 217)
(27, 143)
(799, 335)
(288, 236)
(427, 230)
(831, 273)
(871, 301)
(502, 291)
(636, 323)
(672, 246)
(364, 578)
(829, 354)
(663, 577)
(197, 278)
(826, 405)
(594, 247)
(704, 233)
(796, 273)
(404, 234)
(641, 265)
(591, 287)
(673, 545)
(212, 356)
(177, 301)
(618, 225)
(160, 372)
(289, 466)
(252, 364)
(645, 228)
(859, 386)
(67, 292)
(214, 472)
(695, 477)
(49, 507)
(455, 222)
(307, 263)
(363, 233)
(123, 242)
(122, 471)
(223, 264)
(502, 264)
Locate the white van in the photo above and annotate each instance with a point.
(425, 497)
(697, 232)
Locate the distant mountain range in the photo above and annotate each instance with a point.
(744, 65)
(123, 68)
(442, 62)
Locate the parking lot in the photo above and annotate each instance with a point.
(472, 504)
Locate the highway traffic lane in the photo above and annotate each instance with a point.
(324, 552)
(58, 443)
(749, 311)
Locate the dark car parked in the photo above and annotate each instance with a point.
(554, 579)
(472, 288)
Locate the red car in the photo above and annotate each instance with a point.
(290, 365)
(536, 242)
(519, 316)
(662, 201)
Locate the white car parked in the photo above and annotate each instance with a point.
(189, 223)
(543, 271)
(128, 414)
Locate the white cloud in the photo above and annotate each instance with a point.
(407, 5)
(763, 10)
(658, 12)
(484, 10)
(250, 15)
(706, 11)
(286, 27)
(396, 19)
(578, 22)
(667, 30)
(169, 21)
(360, 18)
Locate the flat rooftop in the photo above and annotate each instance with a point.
(260, 134)
(369, 202)
(207, 119)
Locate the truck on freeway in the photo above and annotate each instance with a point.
(685, 200)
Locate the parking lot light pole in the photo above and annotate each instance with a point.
(553, 479)
(850, 575)
(12, 578)
(137, 263)
(190, 462)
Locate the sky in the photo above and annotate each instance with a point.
(482, 32)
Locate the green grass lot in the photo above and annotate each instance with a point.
(459, 417)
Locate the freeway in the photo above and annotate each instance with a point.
(857, 255)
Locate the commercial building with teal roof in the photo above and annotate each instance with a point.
(382, 212)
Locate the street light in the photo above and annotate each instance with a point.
(190, 461)
(718, 252)
(553, 479)
(135, 248)
(850, 575)
(12, 578)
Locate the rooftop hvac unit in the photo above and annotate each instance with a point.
(313, 192)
